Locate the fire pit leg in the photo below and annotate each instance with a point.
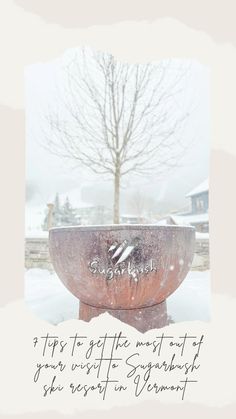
(143, 319)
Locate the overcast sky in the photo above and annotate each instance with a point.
(47, 174)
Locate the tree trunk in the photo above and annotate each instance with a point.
(116, 208)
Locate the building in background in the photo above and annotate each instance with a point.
(200, 198)
(198, 215)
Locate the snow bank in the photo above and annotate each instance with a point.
(48, 298)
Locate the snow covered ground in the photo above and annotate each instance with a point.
(51, 301)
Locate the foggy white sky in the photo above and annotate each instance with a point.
(47, 174)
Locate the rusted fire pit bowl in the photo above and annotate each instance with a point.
(127, 270)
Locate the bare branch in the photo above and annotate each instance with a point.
(118, 119)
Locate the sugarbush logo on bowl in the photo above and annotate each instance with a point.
(97, 267)
(120, 253)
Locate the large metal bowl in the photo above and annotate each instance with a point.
(122, 266)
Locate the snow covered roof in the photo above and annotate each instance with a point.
(190, 219)
(203, 187)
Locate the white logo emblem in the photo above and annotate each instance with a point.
(122, 251)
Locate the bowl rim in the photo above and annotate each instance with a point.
(117, 227)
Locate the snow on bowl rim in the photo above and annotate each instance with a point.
(120, 227)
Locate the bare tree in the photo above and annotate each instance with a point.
(118, 119)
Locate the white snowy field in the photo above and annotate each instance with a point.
(51, 301)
